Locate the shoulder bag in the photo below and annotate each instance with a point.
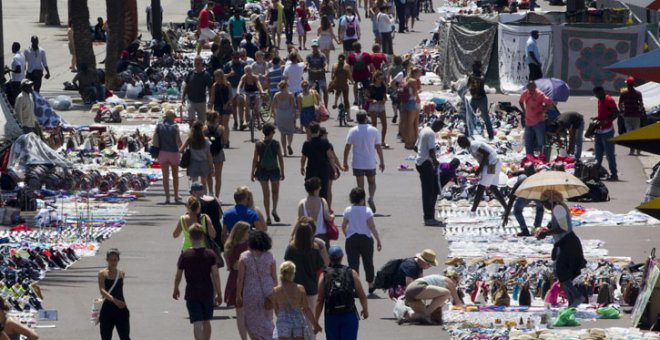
(97, 303)
(185, 159)
(591, 129)
(211, 244)
(154, 149)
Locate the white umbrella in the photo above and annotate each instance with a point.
(562, 182)
(648, 4)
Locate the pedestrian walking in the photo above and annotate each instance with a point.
(268, 168)
(567, 247)
(237, 243)
(206, 34)
(316, 156)
(426, 164)
(234, 70)
(209, 206)
(400, 7)
(289, 7)
(216, 135)
(360, 230)
(193, 216)
(376, 97)
(291, 307)
(308, 100)
(307, 258)
(335, 167)
(479, 99)
(326, 37)
(317, 65)
(364, 140)
(489, 169)
(114, 312)
(284, 113)
(293, 73)
(169, 142)
(220, 102)
(348, 30)
(338, 287)
(302, 24)
(24, 108)
(631, 105)
(519, 203)
(385, 28)
(533, 57)
(328, 10)
(201, 160)
(316, 207)
(243, 210)
(198, 84)
(257, 276)
(534, 104)
(17, 73)
(276, 21)
(607, 113)
(408, 101)
(35, 58)
(237, 28)
(203, 286)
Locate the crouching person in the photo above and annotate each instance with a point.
(434, 288)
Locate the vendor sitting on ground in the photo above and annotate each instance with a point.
(436, 288)
(89, 87)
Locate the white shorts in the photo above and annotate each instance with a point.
(206, 34)
(491, 179)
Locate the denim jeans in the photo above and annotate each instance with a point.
(534, 137)
(518, 207)
(632, 124)
(481, 104)
(579, 140)
(342, 326)
(603, 146)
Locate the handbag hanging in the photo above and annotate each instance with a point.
(331, 229)
(185, 159)
(97, 303)
(154, 149)
(591, 129)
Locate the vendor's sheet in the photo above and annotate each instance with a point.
(511, 50)
(462, 47)
(581, 55)
(44, 112)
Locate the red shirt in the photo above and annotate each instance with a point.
(203, 19)
(606, 111)
(535, 102)
(378, 60)
(364, 74)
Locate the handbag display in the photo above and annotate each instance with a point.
(185, 159)
(591, 129)
(97, 304)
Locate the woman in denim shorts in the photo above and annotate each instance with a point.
(268, 167)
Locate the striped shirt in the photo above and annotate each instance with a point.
(275, 76)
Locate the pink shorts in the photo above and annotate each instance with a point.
(168, 158)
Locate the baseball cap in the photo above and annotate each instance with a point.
(630, 81)
(335, 252)
(315, 43)
(196, 186)
(26, 82)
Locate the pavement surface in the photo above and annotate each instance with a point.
(149, 253)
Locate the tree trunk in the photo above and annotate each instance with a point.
(197, 5)
(115, 44)
(2, 38)
(130, 21)
(43, 10)
(52, 15)
(82, 39)
(69, 9)
(156, 20)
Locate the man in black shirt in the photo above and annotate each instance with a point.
(573, 124)
(319, 153)
(479, 100)
(412, 268)
(198, 84)
(210, 206)
(289, 18)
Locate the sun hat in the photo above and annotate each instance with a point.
(428, 256)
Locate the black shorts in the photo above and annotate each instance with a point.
(267, 176)
(200, 310)
(348, 44)
(364, 172)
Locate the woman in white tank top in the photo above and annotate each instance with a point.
(315, 207)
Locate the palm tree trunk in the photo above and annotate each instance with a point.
(52, 14)
(130, 21)
(2, 39)
(43, 10)
(115, 44)
(82, 39)
(156, 20)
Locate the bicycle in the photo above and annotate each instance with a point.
(253, 109)
(265, 115)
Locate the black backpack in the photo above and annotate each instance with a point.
(598, 192)
(216, 141)
(386, 276)
(339, 290)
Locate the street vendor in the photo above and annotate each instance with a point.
(567, 250)
(489, 169)
(519, 203)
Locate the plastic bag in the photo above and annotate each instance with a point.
(610, 312)
(61, 103)
(566, 318)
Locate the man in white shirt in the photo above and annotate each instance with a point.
(489, 169)
(349, 29)
(24, 107)
(17, 72)
(385, 28)
(36, 63)
(426, 164)
(533, 57)
(365, 141)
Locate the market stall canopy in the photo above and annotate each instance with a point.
(644, 66)
(29, 149)
(648, 4)
(651, 95)
(645, 139)
(10, 129)
(562, 182)
(651, 208)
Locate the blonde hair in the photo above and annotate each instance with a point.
(282, 85)
(552, 196)
(235, 236)
(170, 114)
(248, 68)
(220, 73)
(287, 271)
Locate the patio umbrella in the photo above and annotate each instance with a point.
(644, 66)
(555, 89)
(646, 139)
(651, 208)
(562, 182)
